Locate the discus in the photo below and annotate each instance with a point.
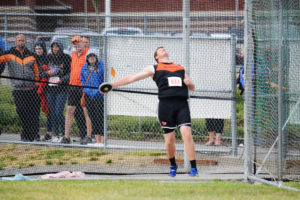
(105, 87)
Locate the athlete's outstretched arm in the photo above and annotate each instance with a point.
(145, 73)
(188, 82)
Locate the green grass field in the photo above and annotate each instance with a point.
(141, 190)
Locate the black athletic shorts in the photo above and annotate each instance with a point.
(173, 112)
(74, 96)
(214, 125)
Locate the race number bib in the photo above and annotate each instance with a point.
(175, 81)
(52, 80)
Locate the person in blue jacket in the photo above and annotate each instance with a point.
(92, 75)
(240, 80)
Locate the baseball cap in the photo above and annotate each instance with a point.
(76, 39)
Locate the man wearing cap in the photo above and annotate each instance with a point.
(75, 93)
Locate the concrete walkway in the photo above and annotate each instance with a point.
(157, 177)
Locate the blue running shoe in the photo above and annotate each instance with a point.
(194, 172)
(173, 170)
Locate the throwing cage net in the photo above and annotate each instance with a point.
(272, 92)
(38, 88)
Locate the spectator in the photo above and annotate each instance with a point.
(59, 73)
(75, 93)
(214, 126)
(2, 44)
(87, 41)
(92, 74)
(241, 80)
(2, 67)
(22, 65)
(40, 54)
(173, 110)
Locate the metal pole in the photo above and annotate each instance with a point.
(104, 41)
(280, 92)
(107, 13)
(6, 45)
(248, 90)
(233, 103)
(280, 184)
(186, 54)
(145, 24)
(236, 13)
(85, 12)
(5, 29)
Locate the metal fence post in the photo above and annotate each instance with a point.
(145, 24)
(233, 102)
(6, 46)
(5, 29)
(248, 93)
(106, 72)
(186, 54)
(280, 92)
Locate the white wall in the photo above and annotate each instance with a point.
(210, 69)
(294, 77)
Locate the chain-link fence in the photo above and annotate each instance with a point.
(126, 136)
(272, 97)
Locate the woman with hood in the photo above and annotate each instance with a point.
(92, 75)
(56, 91)
(40, 54)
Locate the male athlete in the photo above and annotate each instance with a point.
(173, 84)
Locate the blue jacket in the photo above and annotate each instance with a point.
(95, 80)
(2, 44)
(242, 81)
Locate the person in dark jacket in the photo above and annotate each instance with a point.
(2, 67)
(22, 65)
(92, 75)
(56, 92)
(2, 48)
(40, 54)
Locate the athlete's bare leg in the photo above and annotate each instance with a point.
(170, 144)
(186, 133)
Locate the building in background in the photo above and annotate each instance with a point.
(143, 9)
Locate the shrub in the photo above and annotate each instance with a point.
(120, 127)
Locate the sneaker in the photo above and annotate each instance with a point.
(37, 138)
(209, 143)
(65, 140)
(173, 170)
(194, 172)
(47, 137)
(55, 139)
(60, 139)
(86, 140)
(218, 143)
